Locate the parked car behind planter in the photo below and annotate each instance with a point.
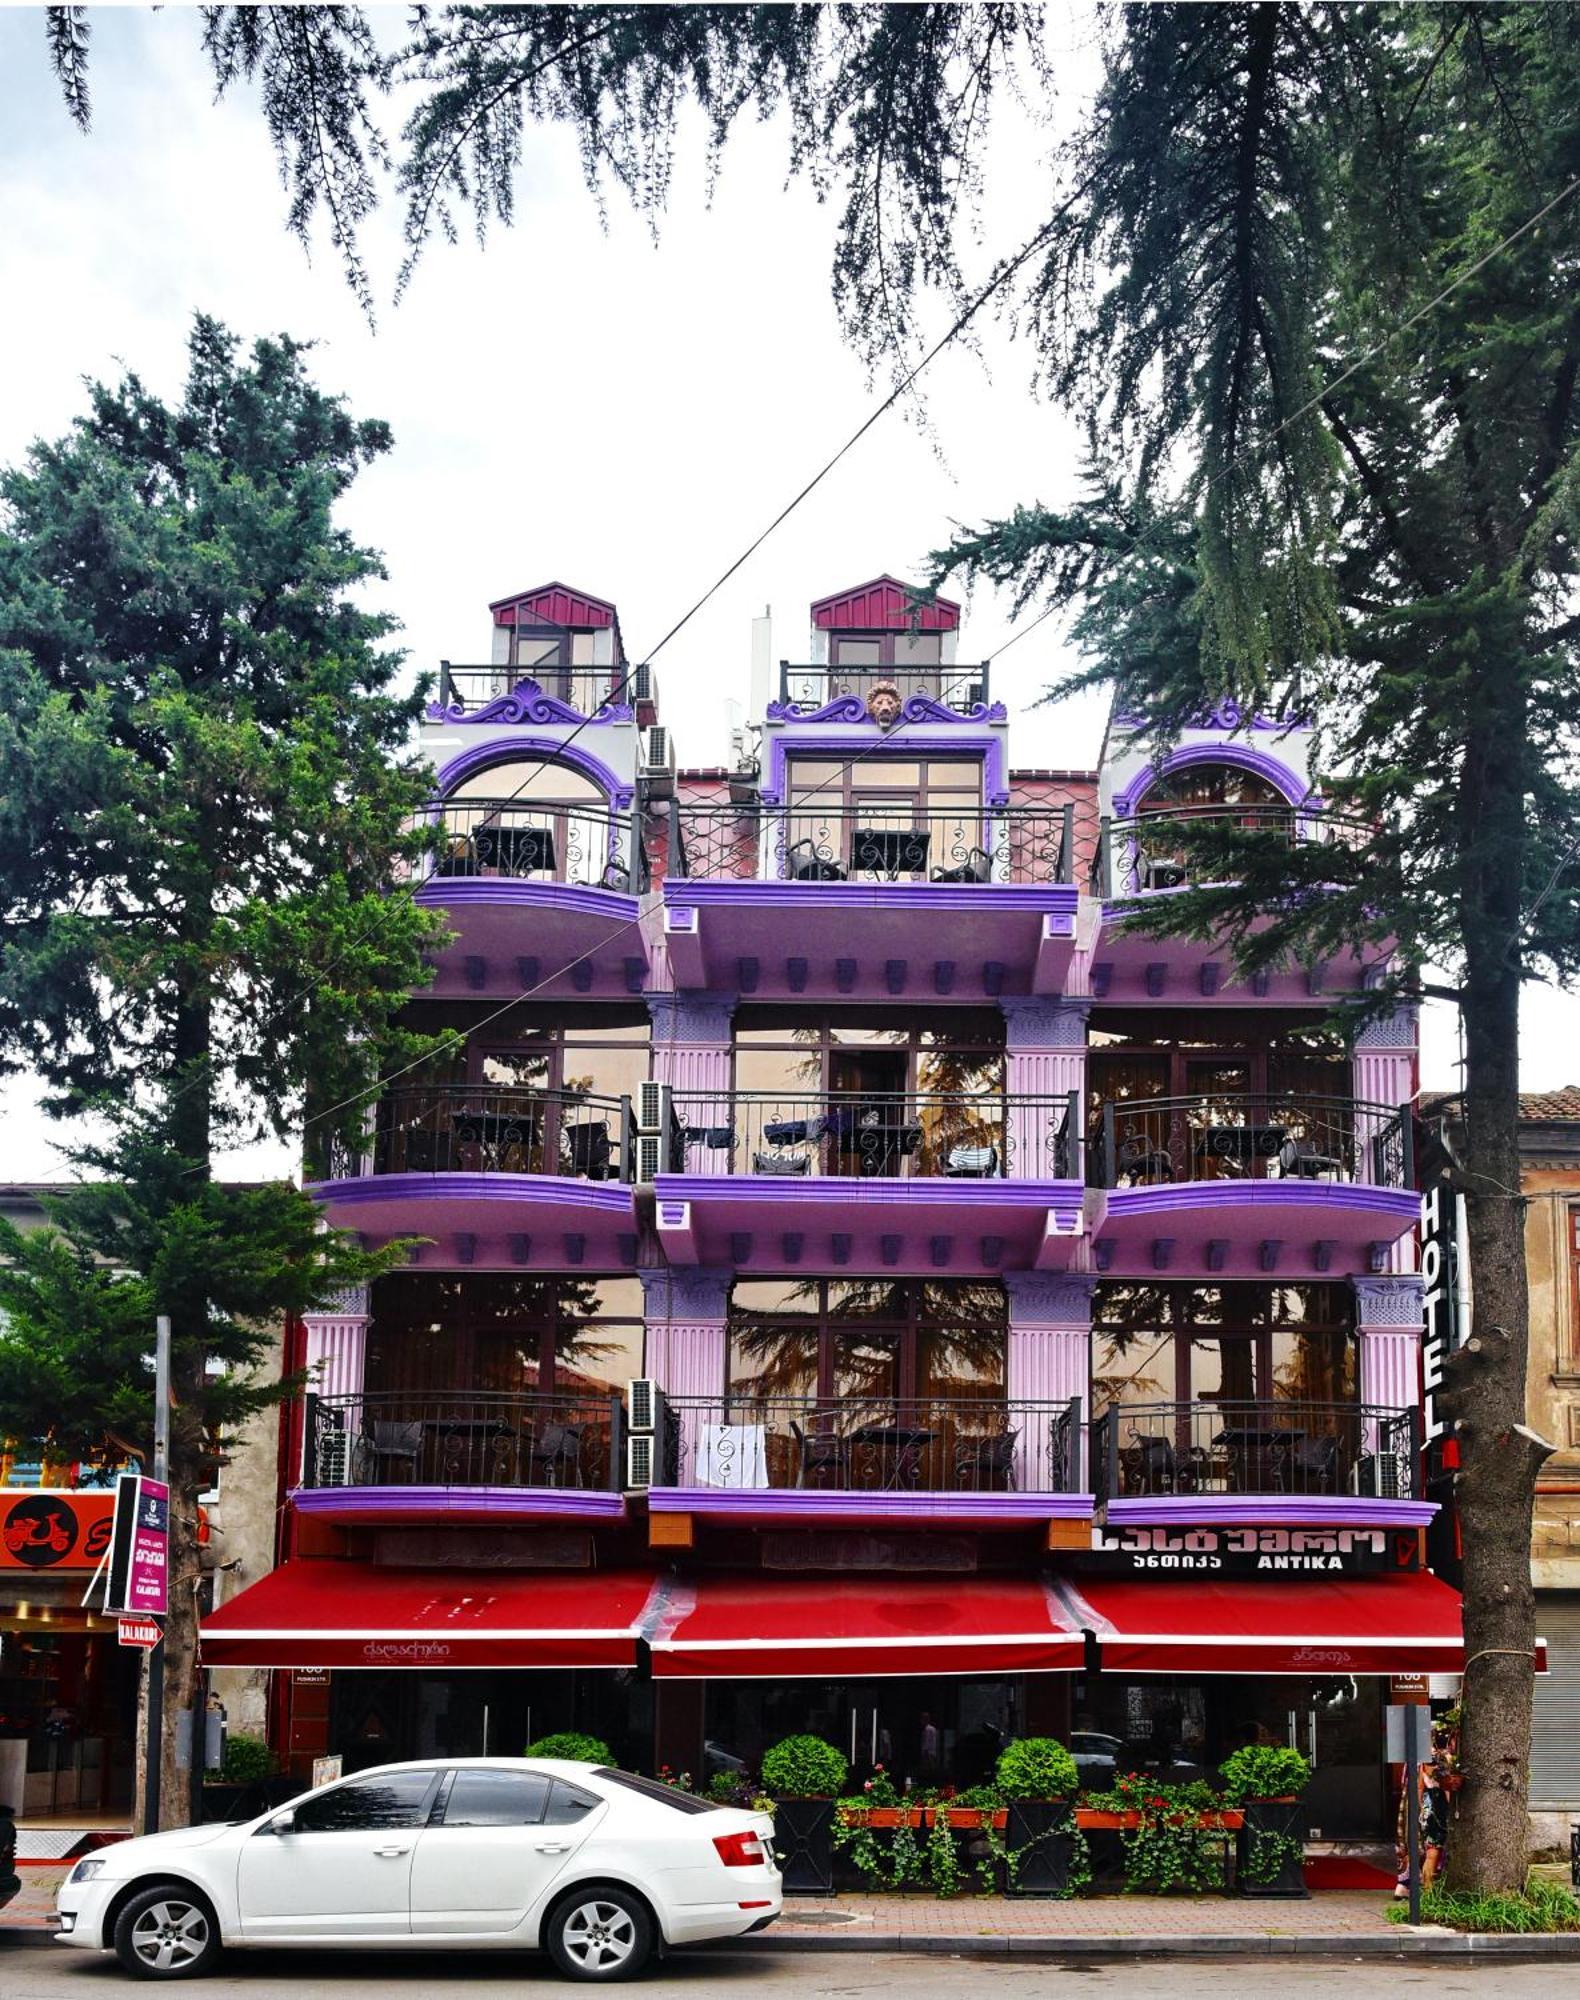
(805, 1776)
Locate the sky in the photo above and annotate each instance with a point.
(572, 400)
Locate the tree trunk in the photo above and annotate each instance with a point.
(1485, 1380)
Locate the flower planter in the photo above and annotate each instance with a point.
(1091, 1820)
(886, 1818)
(1283, 1820)
(802, 1839)
(1042, 1831)
(968, 1819)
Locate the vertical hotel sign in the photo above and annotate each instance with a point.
(1446, 1326)
(139, 1548)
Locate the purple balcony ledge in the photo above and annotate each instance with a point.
(794, 1503)
(1272, 1510)
(391, 1505)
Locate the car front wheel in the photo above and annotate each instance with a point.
(600, 1933)
(166, 1932)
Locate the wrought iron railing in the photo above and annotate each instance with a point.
(1151, 851)
(463, 690)
(809, 841)
(962, 686)
(882, 1135)
(1273, 1136)
(392, 1437)
(494, 1129)
(1141, 1450)
(869, 1444)
(522, 840)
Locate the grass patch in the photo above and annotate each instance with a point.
(1545, 1906)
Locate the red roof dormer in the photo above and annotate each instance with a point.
(883, 605)
(559, 604)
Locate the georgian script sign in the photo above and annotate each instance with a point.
(1253, 1551)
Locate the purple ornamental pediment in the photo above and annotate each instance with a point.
(915, 708)
(526, 702)
(1226, 714)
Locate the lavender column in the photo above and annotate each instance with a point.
(691, 1053)
(685, 1312)
(336, 1351)
(1044, 1060)
(1383, 1071)
(1048, 1362)
(1388, 1325)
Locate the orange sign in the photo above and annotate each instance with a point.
(53, 1529)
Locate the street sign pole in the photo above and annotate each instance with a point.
(153, 1756)
(1412, 1820)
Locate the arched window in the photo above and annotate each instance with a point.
(534, 820)
(1215, 791)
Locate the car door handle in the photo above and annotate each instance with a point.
(560, 1847)
(389, 1853)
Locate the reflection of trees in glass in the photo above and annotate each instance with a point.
(957, 1327)
(1295, 1341)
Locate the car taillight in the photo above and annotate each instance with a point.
(740, 1850)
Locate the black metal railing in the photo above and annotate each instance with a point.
(463, 690)
(882, 1135)
(495, 1129)
(869, 1444)
(1273, 1136)
(520, 840)
(808, 841)
(1151, 851)
(962, 686)
(1281, 1447)
(392, 1437)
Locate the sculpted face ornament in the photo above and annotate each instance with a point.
(883, 704)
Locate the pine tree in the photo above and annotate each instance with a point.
(205, 790)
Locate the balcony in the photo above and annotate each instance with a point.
(1224, 1463)
(1245, 1185)
(1148, 856)
(909, 1181)
(783, 1459)
(810, 690)
(864, 899)
(389, 1457)
(493, 1176)
(612, 693)
(530, 887)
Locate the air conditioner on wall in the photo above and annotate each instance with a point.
(658, 764)
(1382, 1475)
(641, 1403)
(654, 1107)
(641, 1452)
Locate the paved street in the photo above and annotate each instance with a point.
(36, 1973)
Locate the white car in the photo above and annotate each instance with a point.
(598, 1867)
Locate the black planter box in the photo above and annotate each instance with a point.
(1046, 1829)
(803, 1839)
(1272, 1816)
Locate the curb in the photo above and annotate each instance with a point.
(1458, 1945)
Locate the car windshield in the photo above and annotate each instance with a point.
(666, 1795)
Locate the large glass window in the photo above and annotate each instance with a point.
(530, 818)
(866, 1339)
(953, 1054)
(435, 1332)
(1232, 1343)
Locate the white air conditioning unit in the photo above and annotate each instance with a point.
(655, 1108)
(654, 1152)
(641, 1403)
(658, 764)
(332, 1465)
(641, 1461)
(1382, 1475)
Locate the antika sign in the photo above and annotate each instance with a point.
(1254, 1551)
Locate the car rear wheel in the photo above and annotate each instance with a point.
(166, 1932)
(600, 1933)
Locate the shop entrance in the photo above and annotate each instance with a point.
(923, 1729)
(381, 1717)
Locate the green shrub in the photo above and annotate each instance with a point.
(804, 1767)
(1037, 1767)
(248, 1759)
(573, 1746)
(1264, 1771)
(1545, 1906)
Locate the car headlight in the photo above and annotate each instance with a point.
(86, 1870)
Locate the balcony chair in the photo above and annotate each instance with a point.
(1309, 1465)
(616, 877)
(423, 1152)
(554, 1456)
(1160, 874)
(1299, 1160)
(817, 1453)
(805, 864)
(395, 1444)
(793, 1131)
(1140, 1161)
(977, 867)
(458, 856)
(986, 1464)
(781, 1163)
(1149, 1464)
(588, 1150)
(971, 1163)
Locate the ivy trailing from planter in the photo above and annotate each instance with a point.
(1176, 1842)
(1037, 1777)
(1267, 1779)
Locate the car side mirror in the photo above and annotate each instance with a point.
(283, 1822)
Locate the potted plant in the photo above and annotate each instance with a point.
(1037, 1779)
(805, 1776)
(574, 1745)
(237, 1790)
(1266, 1781)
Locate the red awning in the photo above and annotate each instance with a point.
(783, 1627)
(1335, 1625)
(342, 1614)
